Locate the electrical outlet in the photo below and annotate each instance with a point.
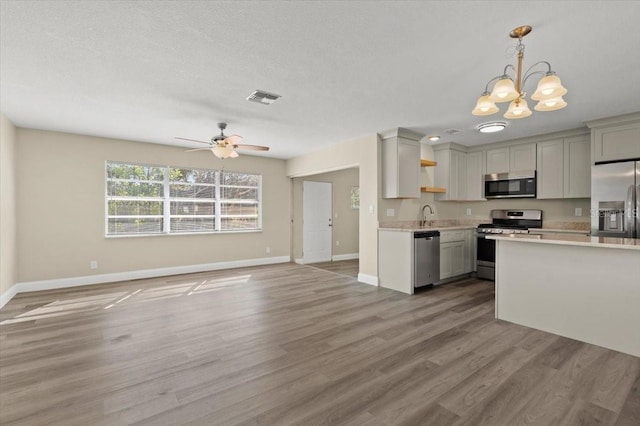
(371, 210)
(468, 211)
(337, 242)
(93, 264)
(391, 212)
(268, 250)
(578, 211)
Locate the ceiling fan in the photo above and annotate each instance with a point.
(225, 146)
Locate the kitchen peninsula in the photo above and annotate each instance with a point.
(584, 288)
(396, 253)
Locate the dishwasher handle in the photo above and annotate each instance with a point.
(428, 235)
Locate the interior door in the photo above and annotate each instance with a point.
(316, 221)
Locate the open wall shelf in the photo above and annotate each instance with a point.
(433, 189)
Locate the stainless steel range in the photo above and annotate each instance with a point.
(502, 222)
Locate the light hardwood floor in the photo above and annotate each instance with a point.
(343, 267)
(292, 344)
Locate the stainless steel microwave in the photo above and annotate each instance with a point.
(510, 185)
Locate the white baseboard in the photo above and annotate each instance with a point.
(8, 295)
(348, 256)
(134, 275)
(368, 279)
(299, 261)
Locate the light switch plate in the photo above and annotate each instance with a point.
(468, 211)
(578, 211)
(391, 212)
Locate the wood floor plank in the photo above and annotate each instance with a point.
(295, 344)
(630, 412)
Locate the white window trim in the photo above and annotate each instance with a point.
(166, 199)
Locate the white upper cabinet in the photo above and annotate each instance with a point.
(564, 169)
(550, 169)
(498, 160)
(511, 159)
(616, 138)
(400, 164)
(460, 172)
(577, 167)
(475, 176)
(451, 174)
(522, 157)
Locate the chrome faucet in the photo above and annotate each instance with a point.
(423, 222)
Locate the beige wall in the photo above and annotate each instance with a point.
(61, 199)
(345, 219)
(361, 153)
(8, 218)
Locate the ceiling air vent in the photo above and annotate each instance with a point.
(263, 98)
(453, 131)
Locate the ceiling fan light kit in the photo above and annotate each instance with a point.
(548, 93)
(225, 146)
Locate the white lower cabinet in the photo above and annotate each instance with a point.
(451, 259)
(456, 251)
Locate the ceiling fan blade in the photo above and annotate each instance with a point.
(198, 149)
(234, 154)
(252, 147)
(233, 139)
(193, 140)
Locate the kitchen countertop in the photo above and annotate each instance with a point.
(572, 240)
(428, 228)
(557, 231)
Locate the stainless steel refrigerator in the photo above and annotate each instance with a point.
(615, 199)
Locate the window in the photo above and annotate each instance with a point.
(144, 199)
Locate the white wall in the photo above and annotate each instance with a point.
(363, 153)
(345, 219)
(61, 199)
(8, 216)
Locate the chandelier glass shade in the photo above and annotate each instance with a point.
(548, 93)
(485, 106)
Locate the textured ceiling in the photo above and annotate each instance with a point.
(151, 70)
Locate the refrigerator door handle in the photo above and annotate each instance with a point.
(637, 212)
(629, 212)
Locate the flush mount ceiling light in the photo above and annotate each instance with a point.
(548, 93)
(494, 126)
(433, 138)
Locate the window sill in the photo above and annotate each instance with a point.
(239, 231)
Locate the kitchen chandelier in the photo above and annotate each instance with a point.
(548, 93)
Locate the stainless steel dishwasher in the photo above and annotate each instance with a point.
(426, 262)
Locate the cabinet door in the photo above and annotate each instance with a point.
(408, 169)
(577, 167)
(446, 260)
(498, 160)
(441, 174)
(454, 175)
(450, 173)
(617, 143)
(458, 258)
(469, 251)
(400, 168)
(522, 157)
(475, 176)
(550, 169)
